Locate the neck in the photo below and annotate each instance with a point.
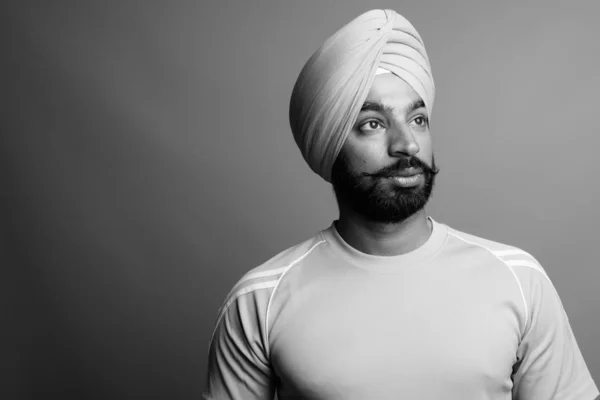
(383, 239)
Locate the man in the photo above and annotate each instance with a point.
(387, 303)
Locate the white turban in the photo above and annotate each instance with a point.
(335, 81)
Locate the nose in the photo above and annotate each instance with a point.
(402, 142)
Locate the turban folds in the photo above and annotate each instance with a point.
(335, 81)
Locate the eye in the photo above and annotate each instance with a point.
(370, 126)
(421, 121)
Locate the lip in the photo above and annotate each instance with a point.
(407, 173)
(407, 181)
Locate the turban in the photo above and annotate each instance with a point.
(335, 81)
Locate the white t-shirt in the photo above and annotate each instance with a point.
(458, 318)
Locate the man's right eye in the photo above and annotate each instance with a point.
(371, 126)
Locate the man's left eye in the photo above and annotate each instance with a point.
(420, 121)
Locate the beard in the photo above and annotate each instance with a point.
(373, 196)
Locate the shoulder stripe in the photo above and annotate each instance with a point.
(510, 252)
(239, 290)
(507, 265)
(264, 274)
(255, 275)
(530, 264)
(537, 267)
(248, 289)
(287, 268)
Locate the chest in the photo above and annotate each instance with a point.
(375, 341)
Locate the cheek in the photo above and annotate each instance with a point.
(366, 161)
(365, 156)
(425, 150)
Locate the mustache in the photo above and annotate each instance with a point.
(402, 164)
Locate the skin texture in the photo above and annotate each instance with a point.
(381, 139)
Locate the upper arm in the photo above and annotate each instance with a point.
(550, 365)
(238, 367)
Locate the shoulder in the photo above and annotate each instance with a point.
(527, 272)
(523, 265)
(268, 273)
(494, 247)
(510, 255)
(252, 292)
(525, 268)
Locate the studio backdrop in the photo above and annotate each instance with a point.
(147, 163)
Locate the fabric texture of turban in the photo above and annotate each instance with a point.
(335, 81)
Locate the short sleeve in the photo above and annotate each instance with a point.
(549, 364)
(238, 368)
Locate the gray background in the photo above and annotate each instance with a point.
(146, 163)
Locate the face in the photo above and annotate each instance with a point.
(386, 170)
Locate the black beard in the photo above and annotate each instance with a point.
(376, 200)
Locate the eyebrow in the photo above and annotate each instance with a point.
(380, 108)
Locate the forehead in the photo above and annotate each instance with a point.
(390, 90)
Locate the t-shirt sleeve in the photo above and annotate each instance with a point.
(549, 365)
(238, 368)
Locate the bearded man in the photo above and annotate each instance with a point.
(388, 303)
